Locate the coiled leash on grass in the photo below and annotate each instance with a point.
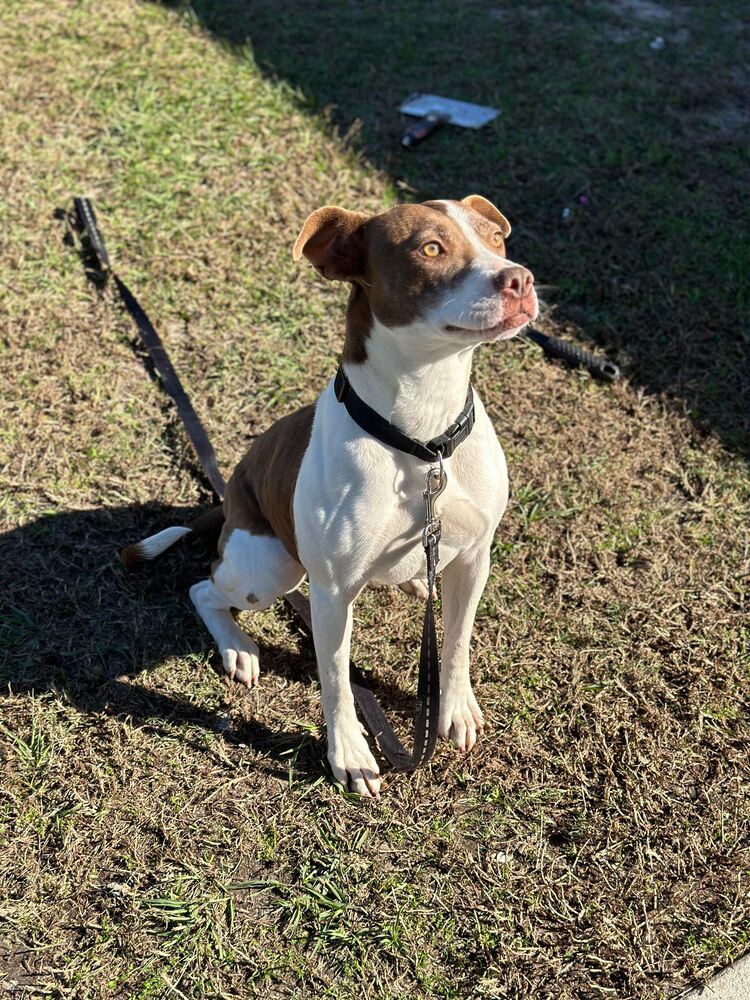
(427, 710)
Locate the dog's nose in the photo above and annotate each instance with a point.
(515, 281)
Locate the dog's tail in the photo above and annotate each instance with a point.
(206, 525)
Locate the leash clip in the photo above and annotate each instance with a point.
(436, 480)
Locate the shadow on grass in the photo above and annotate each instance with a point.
(72, 619)
(642, 146)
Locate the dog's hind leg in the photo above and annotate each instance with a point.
(254, 570)
(239, 654)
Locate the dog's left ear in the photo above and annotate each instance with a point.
(488, 210)
(331, 239)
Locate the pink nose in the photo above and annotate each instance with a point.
(515, 281)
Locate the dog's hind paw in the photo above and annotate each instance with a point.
(242, 663)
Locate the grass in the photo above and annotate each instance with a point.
(165, 834)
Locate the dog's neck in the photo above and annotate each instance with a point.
(418, 385)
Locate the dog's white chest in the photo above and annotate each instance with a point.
(402, 557)
(359, 509)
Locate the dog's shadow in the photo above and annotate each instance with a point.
(73, 619)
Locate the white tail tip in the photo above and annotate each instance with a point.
(153, 546)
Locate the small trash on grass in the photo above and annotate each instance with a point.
(433, 111)
(581, 200)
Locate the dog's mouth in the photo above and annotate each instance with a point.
(503, 330)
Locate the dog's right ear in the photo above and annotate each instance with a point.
(331, 239)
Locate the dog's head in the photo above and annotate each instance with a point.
(435, 272)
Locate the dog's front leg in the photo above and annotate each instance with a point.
(463, 581)
(348, 753)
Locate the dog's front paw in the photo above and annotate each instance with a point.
(461, 719)
(241, 661)
(351, 761)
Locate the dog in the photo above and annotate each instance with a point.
(318, 496)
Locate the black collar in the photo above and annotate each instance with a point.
(371, 421)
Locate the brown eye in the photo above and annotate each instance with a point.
(497, 238)
(431, 249)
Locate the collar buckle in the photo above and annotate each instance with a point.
(446, 443)
(340, 385)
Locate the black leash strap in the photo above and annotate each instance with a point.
(170, 380)
(576, 357)
(428, 687)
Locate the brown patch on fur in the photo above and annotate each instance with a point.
(358, 326)
(208, 525)
(260, 492)
(251, 598)
(132, 556)
(398, 281)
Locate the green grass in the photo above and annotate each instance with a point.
(165, 834)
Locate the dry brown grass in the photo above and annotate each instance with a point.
(163, 833)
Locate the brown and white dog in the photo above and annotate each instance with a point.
(316, 496)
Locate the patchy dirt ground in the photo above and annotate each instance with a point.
(163, 833)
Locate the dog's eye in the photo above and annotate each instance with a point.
(431, 249)
(497, 238)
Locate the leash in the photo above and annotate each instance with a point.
(87, 224)
(427, 711)
(573, 356)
